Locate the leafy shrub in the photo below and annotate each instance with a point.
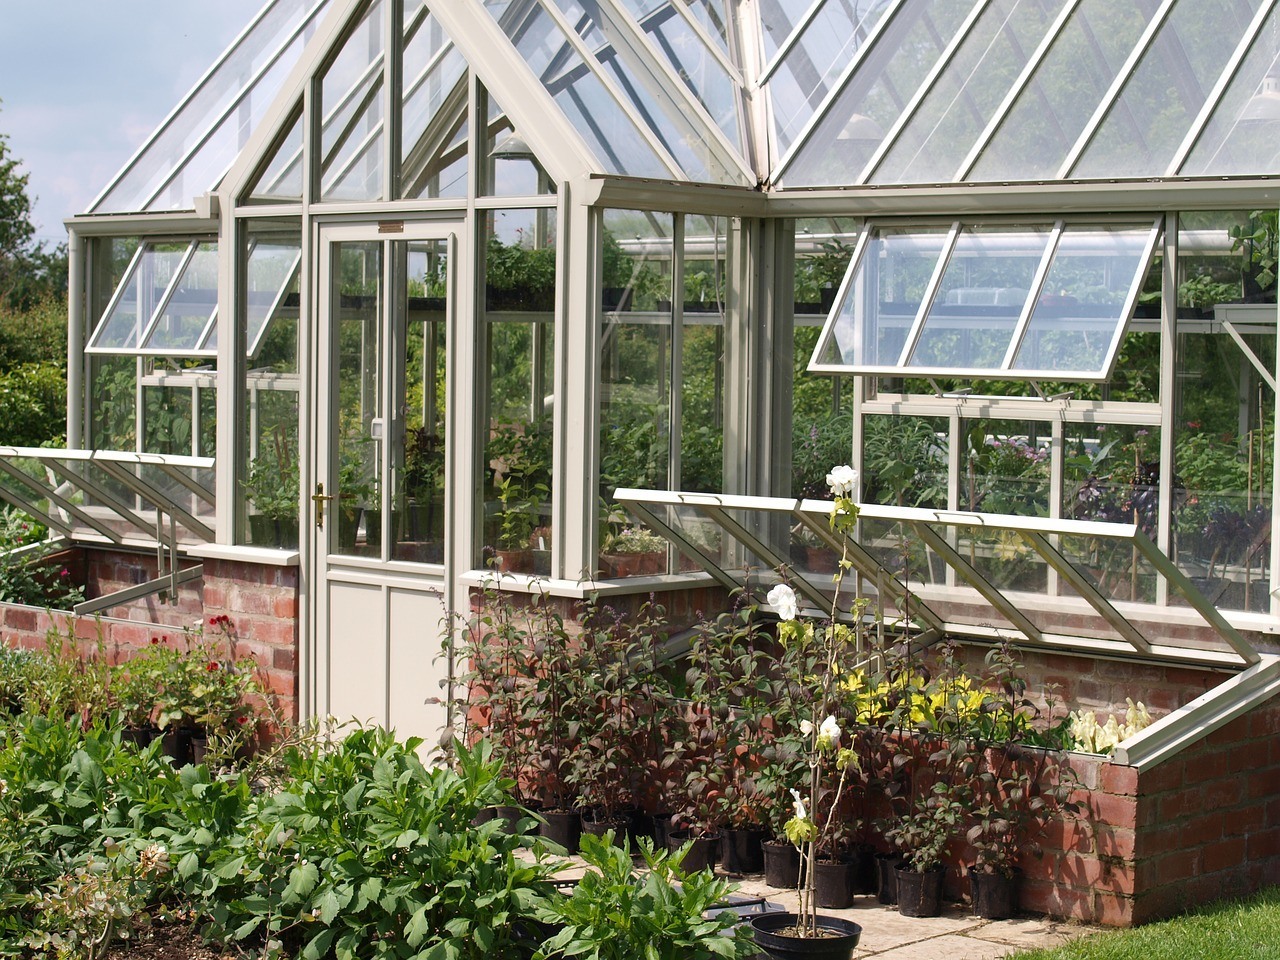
(618, 914)
(30, 576)
(365, 852)
(33, 404)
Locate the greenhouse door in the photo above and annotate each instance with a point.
(379, 511)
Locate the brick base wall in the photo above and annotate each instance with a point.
(262, 602)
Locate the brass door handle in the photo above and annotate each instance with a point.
(319, 498)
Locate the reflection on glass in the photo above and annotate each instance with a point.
(433, 111)
(1240, 137)
(1146, 124)
(1114, 568)
(875, 95)
(140, 294)
(904, 460)
(881, 303)
(1075, 320)
(1006, 467)
(419, 505)
(190, 307)
(976, 308)
(701, 357)
(1055, 105)
(281, 181)
(357, 507)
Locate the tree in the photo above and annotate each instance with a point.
(29, 272)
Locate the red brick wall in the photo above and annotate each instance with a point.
(262, 602)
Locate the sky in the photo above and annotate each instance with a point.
(83, 83)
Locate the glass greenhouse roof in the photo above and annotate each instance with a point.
(805, 94)
(196, 144)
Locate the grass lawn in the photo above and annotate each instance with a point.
(1241, 930)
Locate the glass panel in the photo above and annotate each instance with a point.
(419, 508)
(520, 271)
(877, 93)
(113, 403)
(273, 271)
(711, 14)
(983, 290)
(357, 508)
(143, 290)
(904, 461)
(1006, 467)
(871, 324)
(1224, 427)
(433, 111)
(1240, 137)
(1167, 89)
(1074, 322)
(813, 65)
(701, 356)
(697, 67)
(207, 166)
(219, 99)
(281, 181)
(191, 305)
(681, 134)
(167, 418)
(635, 376)
(511, 168)
(352, 136)
(949, 120)
(270, 486)
(1058, 100)
(1116, 569)
(607, 131)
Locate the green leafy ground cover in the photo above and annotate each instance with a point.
(1240, 930)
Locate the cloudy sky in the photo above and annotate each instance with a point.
(84, 82)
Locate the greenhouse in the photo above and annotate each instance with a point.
(406, 299)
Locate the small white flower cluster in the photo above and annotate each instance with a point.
(783, 600)
(154, 860)
(1092, 737)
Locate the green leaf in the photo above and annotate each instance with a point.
(247, 928)
(303, 879)
(416, 930)
(188, 865)
(328, 905)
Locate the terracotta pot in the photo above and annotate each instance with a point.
(701, 856)
(563, 827)
(920, 894)
(741, 851)
(833, 883)
(781, 865)
(886, 872)
(995, 896)
(840, 941)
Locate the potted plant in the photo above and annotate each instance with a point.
(806, 933)
(271, 487)
(921, 836)
(628, 549)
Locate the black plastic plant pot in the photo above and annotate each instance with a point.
(741, 851)
(781, 865)
(562, 827)
(837, 940)
(701, 856)
(920, 894)
(886, 869)
(833, 882)
(995, 896)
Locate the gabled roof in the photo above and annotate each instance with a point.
(802, 93)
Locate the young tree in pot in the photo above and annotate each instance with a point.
(788, 934)
(922, 836)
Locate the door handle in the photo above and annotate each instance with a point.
(319, 498)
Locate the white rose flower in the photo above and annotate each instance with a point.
(783, 599)
(842, 480)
